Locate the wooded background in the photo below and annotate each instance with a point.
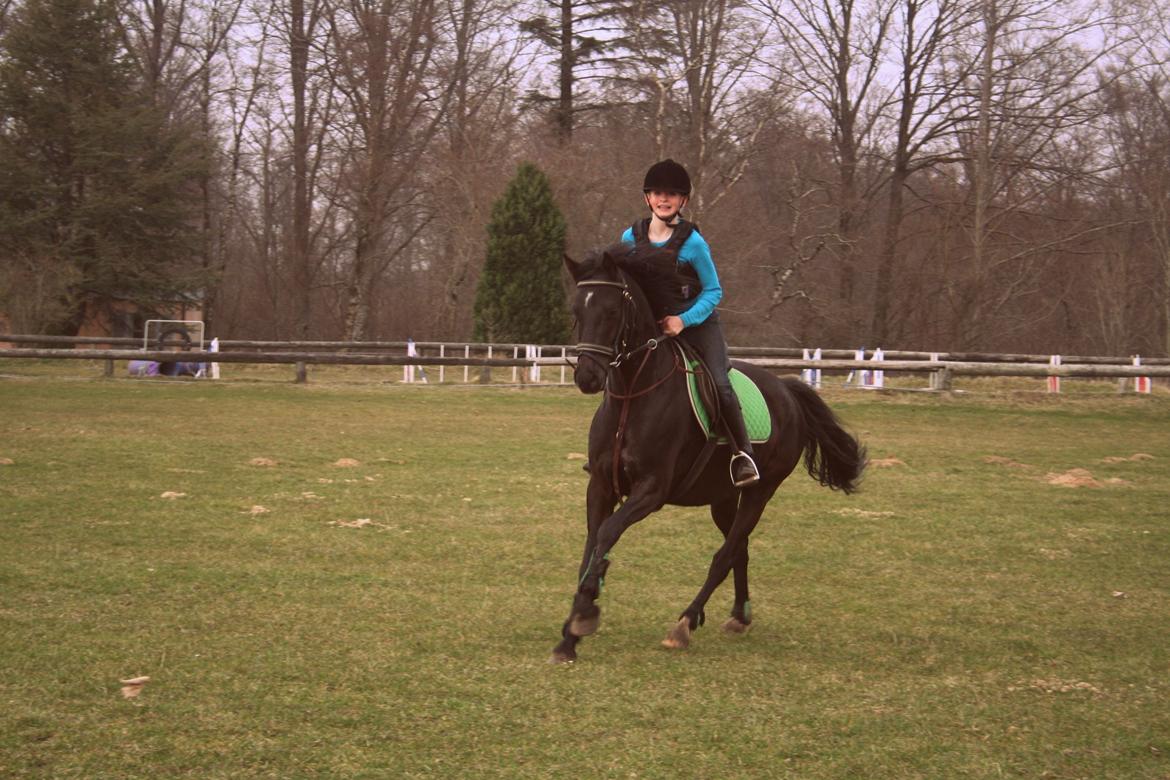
(945, 175)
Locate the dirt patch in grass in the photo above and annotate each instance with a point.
(1137, 456)
(1076, 478)
(885, 463)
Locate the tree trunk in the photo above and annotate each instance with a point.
(301, 271)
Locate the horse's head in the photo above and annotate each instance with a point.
(602, 308)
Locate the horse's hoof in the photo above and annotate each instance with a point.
(735, 626)
(565, 652)
(582, 625)
(679, 637)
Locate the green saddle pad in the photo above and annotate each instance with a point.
(756, 416)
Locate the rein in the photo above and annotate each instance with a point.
(585, 349)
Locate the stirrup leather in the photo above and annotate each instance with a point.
(755, 473)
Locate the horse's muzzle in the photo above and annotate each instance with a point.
(590, 376)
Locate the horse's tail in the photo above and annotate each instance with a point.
(832, 455)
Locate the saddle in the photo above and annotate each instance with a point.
(705, 401)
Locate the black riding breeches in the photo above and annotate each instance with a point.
(707, 339)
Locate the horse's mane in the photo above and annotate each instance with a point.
(652, 268)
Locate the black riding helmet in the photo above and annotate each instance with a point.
(667, 176)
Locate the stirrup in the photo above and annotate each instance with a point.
(752, 478)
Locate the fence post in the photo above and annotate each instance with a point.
(806, 373)
(302, 374)
(442, 353)
(878, 377)
(564, 361)
(485, 374)
(1054, 381)
(466, 368)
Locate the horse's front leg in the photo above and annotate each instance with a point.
(599, 503)
(585, 615)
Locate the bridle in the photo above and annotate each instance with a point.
(611, 354)
(618, 354)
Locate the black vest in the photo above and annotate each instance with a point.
(689, 285)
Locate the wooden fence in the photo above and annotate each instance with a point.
(942, 368)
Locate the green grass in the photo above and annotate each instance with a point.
(957, 618)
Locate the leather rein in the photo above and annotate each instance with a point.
(619, 355)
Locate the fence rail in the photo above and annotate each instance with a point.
(941, 367)
(737, 352)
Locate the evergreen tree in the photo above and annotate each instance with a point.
(94, 184)
(521, 298)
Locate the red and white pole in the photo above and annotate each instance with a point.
(1054, 381)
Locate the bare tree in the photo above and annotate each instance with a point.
(924, 121)
(831, 52)
(697, 61)
(384, 61)
(1035, 88)
(472, 151)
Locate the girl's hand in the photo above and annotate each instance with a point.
(671, 325)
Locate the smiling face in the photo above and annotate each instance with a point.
(665, 204)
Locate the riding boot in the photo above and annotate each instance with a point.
(743, 464)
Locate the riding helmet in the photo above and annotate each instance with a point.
(667, 176)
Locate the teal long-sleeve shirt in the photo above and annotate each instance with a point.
(697, 254)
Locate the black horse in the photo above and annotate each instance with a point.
(643, 443)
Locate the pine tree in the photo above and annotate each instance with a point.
(520, 297)
(94, 182)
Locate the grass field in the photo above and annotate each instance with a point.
(965, 616)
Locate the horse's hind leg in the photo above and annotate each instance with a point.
(723, 514)
(732, 555)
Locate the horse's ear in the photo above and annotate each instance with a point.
(573, 267)
(609, 263)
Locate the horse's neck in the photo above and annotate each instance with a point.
(643, 327)
(651, 364)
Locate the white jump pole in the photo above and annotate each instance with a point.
(806, 374)
(442, 353)
(1054, 381)
(564, 360)
(878, 377)
(466, 355)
